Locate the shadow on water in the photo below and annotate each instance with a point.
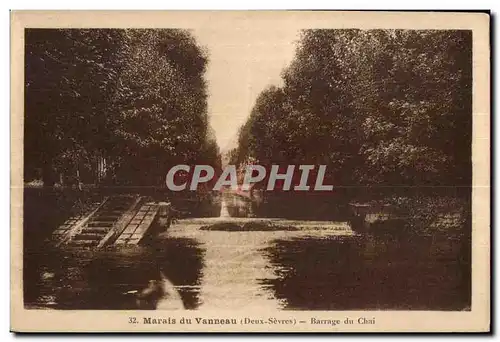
(110, 278)
(367, 272)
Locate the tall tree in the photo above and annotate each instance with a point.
(70, 76)
(377, 107)
(137, 97)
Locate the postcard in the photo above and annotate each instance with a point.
(250, 171)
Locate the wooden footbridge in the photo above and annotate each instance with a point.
(117, 220)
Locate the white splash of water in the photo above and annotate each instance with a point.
(223, 209)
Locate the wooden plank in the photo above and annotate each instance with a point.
(145, 216)
(79, 225)
(119, 226)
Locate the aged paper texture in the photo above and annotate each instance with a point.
(259, 171)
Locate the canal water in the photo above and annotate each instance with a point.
(296, 265)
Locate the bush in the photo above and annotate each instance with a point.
(434, 214)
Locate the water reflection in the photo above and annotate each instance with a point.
(113, 278)
(366, 272)
(237, 273)
(320, 265)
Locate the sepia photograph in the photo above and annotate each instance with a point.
(249, 167)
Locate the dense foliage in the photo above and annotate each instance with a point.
(379, 107)
(135, 98)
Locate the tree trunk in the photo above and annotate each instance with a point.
(48, 174)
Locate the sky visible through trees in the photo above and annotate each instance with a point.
(378, 107)
(375, 106)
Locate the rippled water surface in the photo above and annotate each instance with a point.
(319, 266)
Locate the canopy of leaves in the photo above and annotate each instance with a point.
(378, 107)
(136, 97)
